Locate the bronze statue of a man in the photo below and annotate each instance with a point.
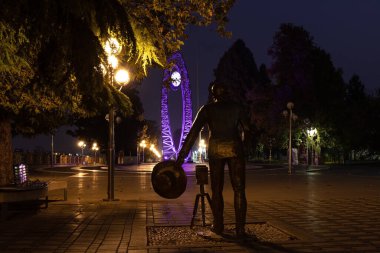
(227, 122)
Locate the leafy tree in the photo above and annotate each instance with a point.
(291, 64)
(373, 137)
(358, 119)
(326, 100)
(51, 53)
(355, 90)
(305, 75)
(237, 69)
(250, 86)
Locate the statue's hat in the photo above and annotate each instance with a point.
(168, 180)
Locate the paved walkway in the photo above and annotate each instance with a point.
(321, 211)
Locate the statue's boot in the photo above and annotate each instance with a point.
(218, 226)
(217, 212)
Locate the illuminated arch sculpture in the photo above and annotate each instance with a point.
(178, 79)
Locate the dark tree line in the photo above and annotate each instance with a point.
(345, 115)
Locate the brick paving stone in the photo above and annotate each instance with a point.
(321, 223)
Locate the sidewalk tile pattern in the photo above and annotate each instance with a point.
(328, 225)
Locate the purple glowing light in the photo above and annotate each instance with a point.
(177, 76)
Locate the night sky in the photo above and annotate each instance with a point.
(349, 30)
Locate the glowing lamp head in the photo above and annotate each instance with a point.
(113, 61)
(112, 47)
(81, 144)
(95, 146)
(290, 105)
(312, 132)
(143, 144)
(122, 76)
(176, 79)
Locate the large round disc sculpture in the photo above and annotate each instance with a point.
(178, 79)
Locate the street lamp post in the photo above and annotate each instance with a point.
(112, 49)
(270, 149)
(52, 151)
(292, 116)
(95, 148)
(137, 154)
(111, 154)
(310, 135)
(82, 145)
(143, 145)
(307, 149)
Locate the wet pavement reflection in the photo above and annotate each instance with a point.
(263, 182)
